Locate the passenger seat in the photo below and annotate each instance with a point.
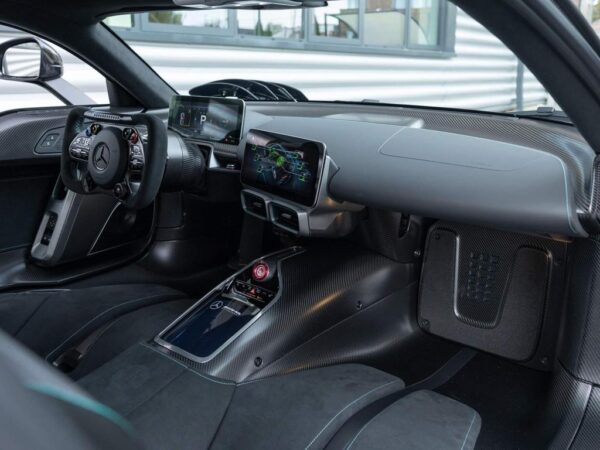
(421, 420)
(149, 400)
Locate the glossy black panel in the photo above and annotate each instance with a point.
(210, 326)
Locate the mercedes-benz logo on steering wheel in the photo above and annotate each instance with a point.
(101, 156)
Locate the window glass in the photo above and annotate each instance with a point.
(283, 24)
(124, 21)
(209, 18)
(338, 20)
(385, 23)
(421, 52)
(424, 22)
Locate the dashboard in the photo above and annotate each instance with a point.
(309, 168)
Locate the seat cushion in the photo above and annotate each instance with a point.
(42, 409)
(421, 420)
(51, 321)
(171, 405)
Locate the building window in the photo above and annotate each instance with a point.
(339, 20)
(210, 18)
(193, 21)
(424, 22)
(385, 23)
(276, 24)
(362, 26)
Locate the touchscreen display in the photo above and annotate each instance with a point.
(285, 166)
(212, 119)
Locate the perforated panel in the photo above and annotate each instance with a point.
(490, 289)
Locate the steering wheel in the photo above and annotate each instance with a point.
(119, 155)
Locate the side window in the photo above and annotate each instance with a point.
(18, 95)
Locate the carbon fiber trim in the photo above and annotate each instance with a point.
(589, 432)
(493, 290)
(372, 337)
(580, 351)
(565, 410)
(320, 288)
(21, 131)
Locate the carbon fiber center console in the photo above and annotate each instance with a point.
(326, 303)
(216, 320)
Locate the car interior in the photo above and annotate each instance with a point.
(242, 268)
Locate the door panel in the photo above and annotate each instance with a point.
(23, 199)
(48, 235)
(27, 177)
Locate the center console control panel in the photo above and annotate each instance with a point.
(217, 319)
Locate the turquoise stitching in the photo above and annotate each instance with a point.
(82, 402)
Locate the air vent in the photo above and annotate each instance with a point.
(254, 205)
(285, 218)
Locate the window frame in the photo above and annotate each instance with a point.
(144, 31)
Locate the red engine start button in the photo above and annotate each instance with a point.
(260, 271)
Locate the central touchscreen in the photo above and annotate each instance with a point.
(212, 119)
(282, 165)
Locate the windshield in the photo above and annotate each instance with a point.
(419, 52)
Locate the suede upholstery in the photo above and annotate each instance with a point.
(423, 420)
(172, 406)
(42, 409)
(51, 321)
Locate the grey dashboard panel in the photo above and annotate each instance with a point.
(444, 175)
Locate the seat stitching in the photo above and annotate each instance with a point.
(188, 368)
(154, 394)
(346, 407)
(468, 431)
(280, 375)
(49, 355)
(35, 310)
(362, 429)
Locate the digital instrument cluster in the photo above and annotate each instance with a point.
(211, 119)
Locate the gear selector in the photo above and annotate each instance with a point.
(218, 318)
